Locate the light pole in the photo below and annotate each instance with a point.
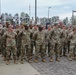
(73, 11)
(35, 11)
(0, 12)
(29, 13)
(48, 11)
(0, 7)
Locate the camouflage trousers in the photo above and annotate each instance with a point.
(32, 49)
(72, 51)
(18, 44)
(51, 49)
(41, 48)
(64, 48)
(3, 48)
(9, 50)
(0, 48)
(26, 48)
(18, 50)
(57, 49)
(68, 45)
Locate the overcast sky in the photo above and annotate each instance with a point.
(61, 8)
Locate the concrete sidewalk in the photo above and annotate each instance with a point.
(19, 69)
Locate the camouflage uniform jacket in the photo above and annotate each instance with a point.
(39, 37)
(10, 38)
(72, 38)
(26, 37)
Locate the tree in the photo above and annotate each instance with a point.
(11, 18)
(24, 17)
(16, 16)
(6, 17)
(65, 21)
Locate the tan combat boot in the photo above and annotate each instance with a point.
(29, 61)
(51, 60)
(4, 59)
(21, 62)
(43, 60)
(70, 59)
(57, 59)
(7, 62)
(36, 61)
(15, 62)
(75, 58)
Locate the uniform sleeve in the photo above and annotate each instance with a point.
(20, 34)
(70, 36)
(35, 36)
(4, 35)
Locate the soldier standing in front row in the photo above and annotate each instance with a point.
(56, 34)
(1, 33)
(25, 43)
(39, 37)
(72, 51)
(5, 28)
(10, 37)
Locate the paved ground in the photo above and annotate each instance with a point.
(64, 67)
(19, 69)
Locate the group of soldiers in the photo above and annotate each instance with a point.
(35, 41)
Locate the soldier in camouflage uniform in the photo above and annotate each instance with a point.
(64, 41)
(39, 37)
(35, 29)
(68, 42)
(50, 44)
(72, 38)
(46, 40)
(18, 41)
(10, 45)
(1, 33)
(5, 28)
(25, 43)
(48, 32)
(56, 34)
(32, 41)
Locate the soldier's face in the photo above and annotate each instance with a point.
(64, 28)
(75, 30)
(43, 28)
(57, 26)
(22, 26)
(10, 29)
(35, 27)
(49, 28)
(0, 30)
(17, 27)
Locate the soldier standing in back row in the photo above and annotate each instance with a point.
(51, 44)
(64, 41)
(18, 41)
(32, 41)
